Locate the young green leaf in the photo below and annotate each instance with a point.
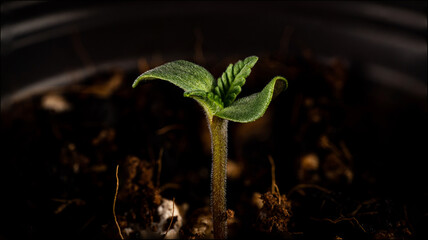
(195, 80)
(183, 74)
(248, 109)
(230, 83)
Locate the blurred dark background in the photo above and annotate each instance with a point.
(381, 46)
(386, 37)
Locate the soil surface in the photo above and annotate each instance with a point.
(346, 154)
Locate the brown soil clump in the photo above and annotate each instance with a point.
(275, 213)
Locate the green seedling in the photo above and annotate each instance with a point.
(218, 99)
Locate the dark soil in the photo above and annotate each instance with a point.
(348, 156)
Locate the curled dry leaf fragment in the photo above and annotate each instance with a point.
(105, 89)
(200, 224)
(234, 169)
(256, 200)
(170, 220)
(106, 135)
(55, 102)
(308, 168)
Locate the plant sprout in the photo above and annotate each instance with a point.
(218, 99)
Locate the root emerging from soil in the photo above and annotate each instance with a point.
(276, 210)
